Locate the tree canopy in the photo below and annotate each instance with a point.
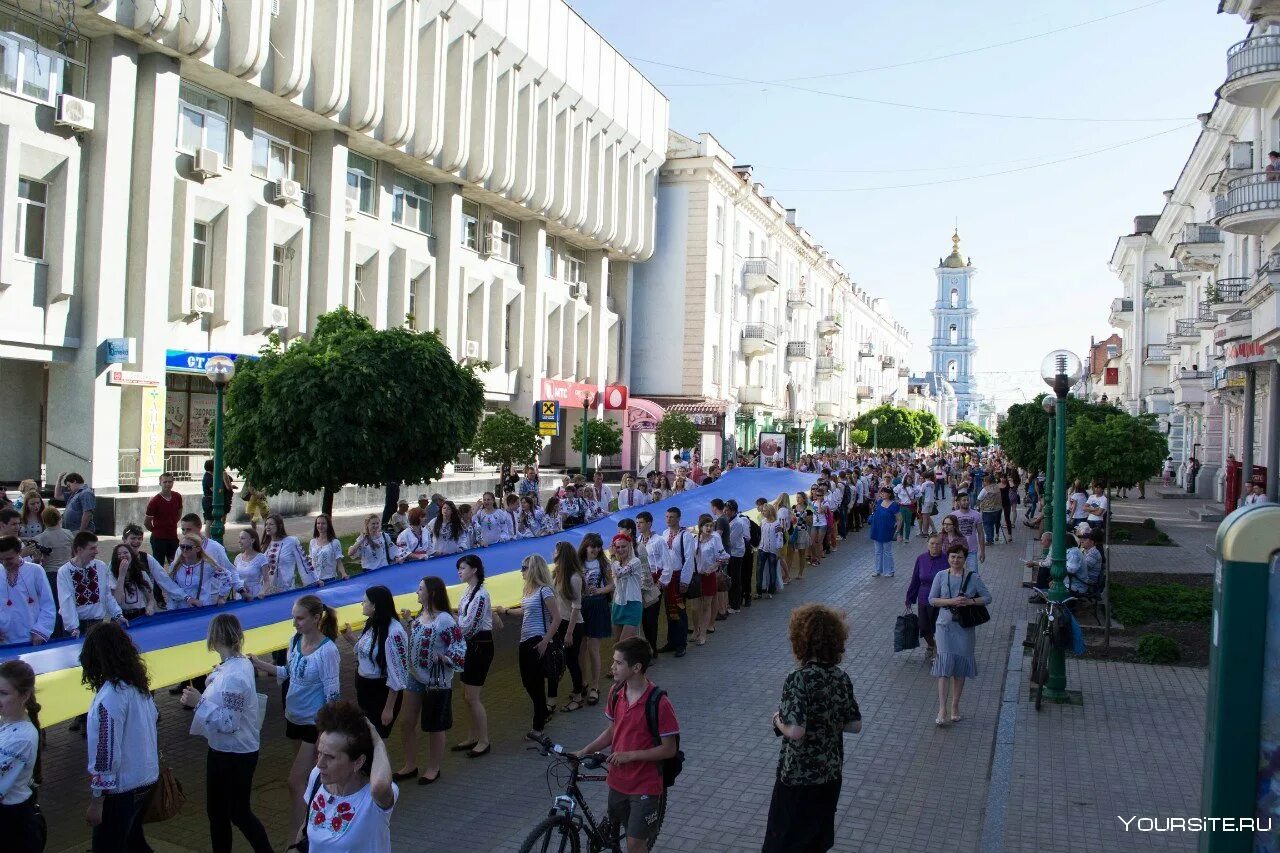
(898, 427)
(981, 437)
(824, 437)
(676, 432)
(604, 437)
(1024, 433)
(859, 438)
(349, 405)
(1120, 451)
(506, 439)
(930, 428)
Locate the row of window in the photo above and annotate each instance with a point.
(39, 61)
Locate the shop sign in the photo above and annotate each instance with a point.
(131, 378)
(181, 361)
(1247, 352)
(569, 393)
(120, 350)
(546, 414)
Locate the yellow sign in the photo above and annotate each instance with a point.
(551, 429)
(548, 410)
(151, 442)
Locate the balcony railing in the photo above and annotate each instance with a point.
(1157, 353)
(1196, 232)
(867, 350)
(1186, 328)
(1120, 307)
(1192, 375)
(799, 296)
(1229, 291)
(1252, 203)
(799, 349)
(1257, 55)
(904, 372)
(865, 392)
(888, 362)
(760, 273)
(1161, 279)
(1205, 316)
(829, 364)
(829, 325)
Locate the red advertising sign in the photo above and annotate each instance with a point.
(568, 393)
(615, 397)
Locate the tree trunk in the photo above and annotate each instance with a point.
(326, 501)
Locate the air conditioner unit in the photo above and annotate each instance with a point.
(1240, 156)
(353, 207)
(74, 113)
(285, 191)
(471, 349)
(207, 163)
(576, 291)
(199, 300)
(493, 237)
(278, 317)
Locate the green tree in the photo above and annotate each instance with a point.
(981, 437)
(505, 439)
(676, 432)
(1025, 431)
(349, 405)
(604, 437)
(859, 438)
(897, 429)
(930, 428)
(824, 437)
(1120, 451)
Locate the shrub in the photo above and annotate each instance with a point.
(1157, 648)
(1161, 602)
(1149, 523)
(1161, 538)
(1121, 535)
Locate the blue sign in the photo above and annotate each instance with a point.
(119, 350)
(181, 361)
(546, 412)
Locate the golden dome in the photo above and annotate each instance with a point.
(953, 260)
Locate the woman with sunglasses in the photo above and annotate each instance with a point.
(598, 582)
(538, 613)
(200, 577)
(475, 617)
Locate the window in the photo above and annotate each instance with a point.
(549, 259)
(951, 371)
(411, 203)
(720, 224)
(1112, 350)
(574, 266)
(1111, 376)
(280, 150)
(201, 269)
(715, 363)
(33, 201)
(510, 251)
(203, 118)
(470, 224)
(955, 298)
(952, 335)
(359, 283)
(360, 178)
(717, 293)
(39, 61)
(279, 278)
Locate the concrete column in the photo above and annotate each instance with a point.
(1273, 435)
(328, 187)
(84, 412)
(1246, 444)
(596, 278)
(446, 212)
(533, 243)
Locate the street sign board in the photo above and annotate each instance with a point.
(546, 414)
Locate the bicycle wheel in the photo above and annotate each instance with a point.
(556, 834)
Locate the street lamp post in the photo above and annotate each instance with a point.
(1050, 404)
(586, 409)
(219, 369)
(1060, 370)
(875, 432)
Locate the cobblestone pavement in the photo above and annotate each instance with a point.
(1195, 539)
(909, 786)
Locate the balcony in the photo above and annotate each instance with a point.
(1191, 387)
(1252, 204)
(1227, 294)
(827, 409)
(1206, 317)
(1121, 312)
(888, 362)
(1253, 71)
(1157, 401)
(1185, 332)
(865, 392)
(1156, 354)
(829, 325)
(760, 275)
(1200, 248)
(1239, 327)
(799, 351)
(759, 339)
(798, 297)
(829, 365)
(904, 372)
(753, 395)
(1163, 290)
(867, 350)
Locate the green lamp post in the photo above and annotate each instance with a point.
(1060, 370)
(219, 369)
(586, 410)
(875, 433)
(1050, 404)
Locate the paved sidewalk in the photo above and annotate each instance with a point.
(1194, 539)
(899, 772)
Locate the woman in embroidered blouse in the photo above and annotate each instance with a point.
(597, 579)
(374, 547)
(709, 557)
(529, 518)
(121, 723)
(312, 669)
(382, 651)
(551, 519)
(568, 586)
(495, 523)
(131, 584)
(200, 577)
(448, 535)
(436, 651)
(288, 566)
(227, 714)
(475, 618)
(251, 563)
(628, 603)
(592, 501)
(326, 551)
(21, 824)
(31, 525)
(414, 542)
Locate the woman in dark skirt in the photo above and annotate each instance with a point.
(597, 580)
(381, 659)
(817, 708)
(928, 564)
(475, 618)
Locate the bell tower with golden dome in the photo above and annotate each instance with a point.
(953, 346)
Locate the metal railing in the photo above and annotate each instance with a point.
(1253, 56)
(760, 331)
(888, 362)
(465, 463)
(1186, 328)
(1252, 192)
(1184, 375)
(1162, 278)
(129, 466)
(1195, 232)
(865, 392)
(1231, 289)
(829, 364)
(799, 349)
(760, 266)
(1205, 314)
(1121, 306)
(186, 464)
(866, 350)
(798, 296)
(1157, 352)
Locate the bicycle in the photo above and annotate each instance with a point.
(1044, 638)
(570, 817)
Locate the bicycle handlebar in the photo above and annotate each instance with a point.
(546, 746)
(1045, 595)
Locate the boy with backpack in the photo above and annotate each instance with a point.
(644, 737)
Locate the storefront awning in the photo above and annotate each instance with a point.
(706, 407)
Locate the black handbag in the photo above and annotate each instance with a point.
(906, 632)
(553, 657)
(971, 615)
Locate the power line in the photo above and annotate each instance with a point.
(940, 56)
(986, 174)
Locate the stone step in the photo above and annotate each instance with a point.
(1175, 494)
(1208, 512)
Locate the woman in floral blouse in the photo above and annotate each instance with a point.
(817, 708)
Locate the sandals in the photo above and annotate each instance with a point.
(593, 696)
(574, 704)
(463, 747)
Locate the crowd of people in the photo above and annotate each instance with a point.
(686, 573)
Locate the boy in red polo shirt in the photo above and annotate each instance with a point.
(635, 766)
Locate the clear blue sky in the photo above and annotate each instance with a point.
(1041, 237)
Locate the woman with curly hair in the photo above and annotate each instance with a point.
(121, 722)
(817, 708)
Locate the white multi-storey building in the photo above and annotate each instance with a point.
(194, 175)
(1201, 301)
(746, 322)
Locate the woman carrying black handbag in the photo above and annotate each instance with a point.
(539, 662)
(961, 598)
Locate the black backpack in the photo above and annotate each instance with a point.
(672, 766)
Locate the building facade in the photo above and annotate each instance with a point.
(746, 320)
(1100, 382)
(1200, 305)
(953, 346)
(192, 176)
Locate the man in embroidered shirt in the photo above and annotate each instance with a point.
(635, 766)
(27, 610)
(84, 588)
(163, 512)
(604, 494)
(676, 558)
(630, 496)
(191, 526)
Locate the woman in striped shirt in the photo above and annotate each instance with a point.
(540, 615)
